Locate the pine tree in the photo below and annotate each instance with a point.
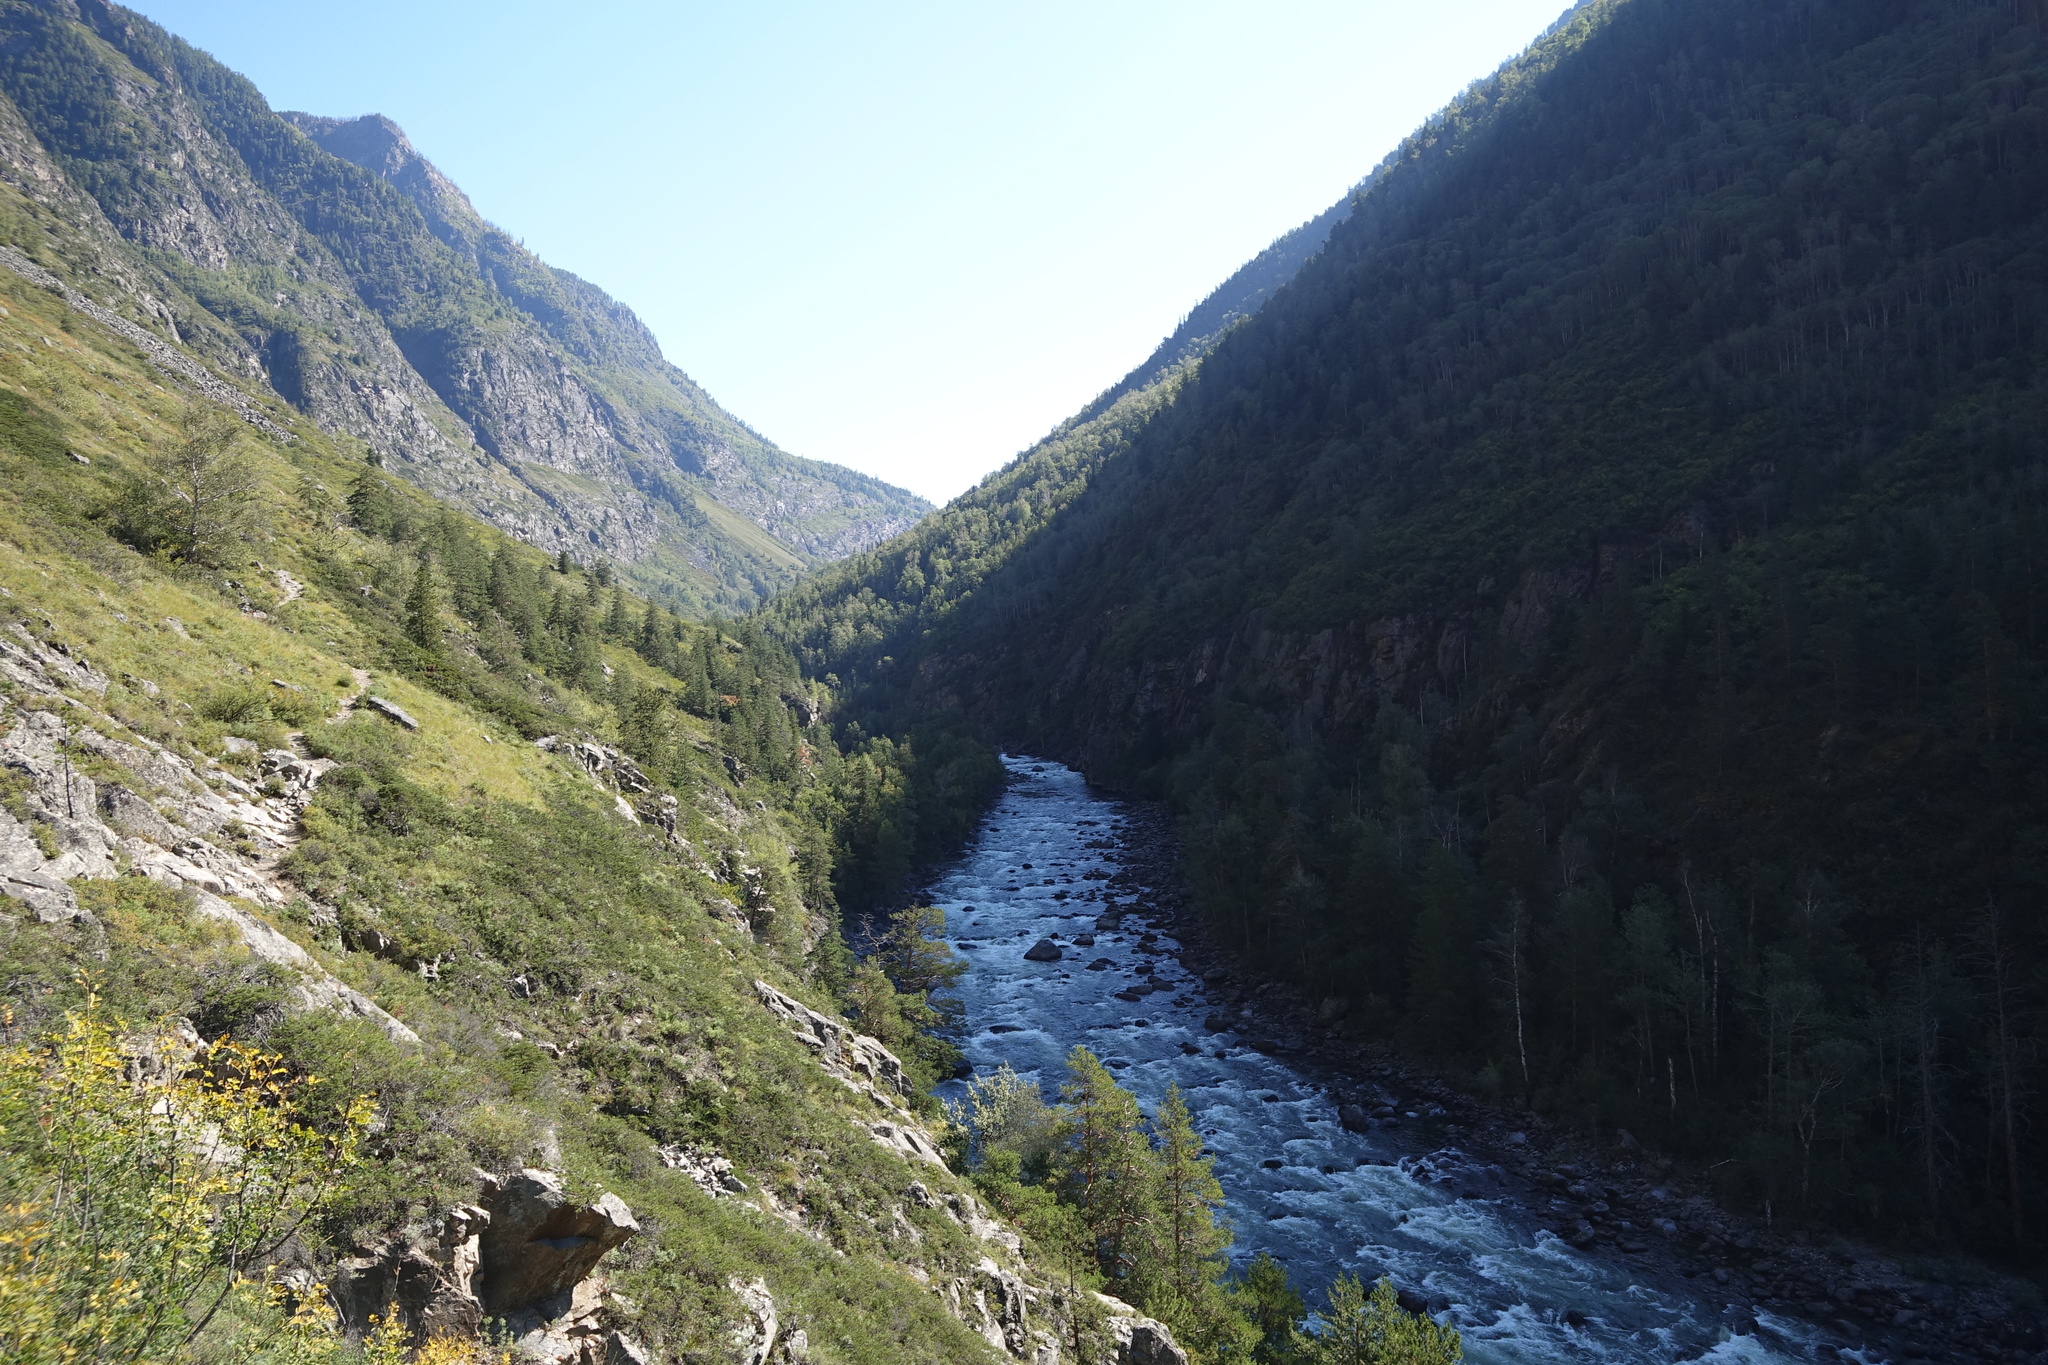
(1183, 1284)
(654, 634)
(1273, 1308)
(1373, 1329)
(373, 506)
(697, 678)
(1103, 1165)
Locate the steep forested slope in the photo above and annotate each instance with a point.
(1591, 620)
(329, 262)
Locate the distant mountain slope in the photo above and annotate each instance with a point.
(863, 610)
(1593, 619)
(329, 262)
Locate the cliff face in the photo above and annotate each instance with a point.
(326, 261)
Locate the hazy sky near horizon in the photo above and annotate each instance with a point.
(907, 237)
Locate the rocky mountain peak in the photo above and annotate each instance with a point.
(381, 147)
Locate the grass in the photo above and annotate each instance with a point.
(470, 850)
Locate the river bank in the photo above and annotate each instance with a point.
(1602, 1193)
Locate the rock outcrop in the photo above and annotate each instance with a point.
(95, 826)
(522, 1262)
(429, 1279)
(857, 1060)
(1141, 1340)
(539, 1244)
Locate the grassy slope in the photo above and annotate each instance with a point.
(508, 858)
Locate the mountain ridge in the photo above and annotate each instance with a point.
(466, 362)
(1625, 517)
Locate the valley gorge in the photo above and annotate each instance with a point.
(1483, 803)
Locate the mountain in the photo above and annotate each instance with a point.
(1590, 619)
(417, 948)
(326, 262)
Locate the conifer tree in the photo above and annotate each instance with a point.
(1272, 1307)
(1184, 1283)
(1443, 990)
(1104, 1166)
(423, 606)
(1373, 1329)
(372, 504)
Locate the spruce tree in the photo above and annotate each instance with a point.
(373, 506)
(423, 606)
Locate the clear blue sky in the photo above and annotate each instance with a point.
(908, 237)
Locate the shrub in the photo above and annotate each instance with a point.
(131, 1208)
(235, 706)
(193, 500)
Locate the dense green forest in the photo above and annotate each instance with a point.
(1590, 623)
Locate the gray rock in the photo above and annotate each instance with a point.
(1045, 950)
(23, 877)
(132, 815)
(854, 1058)
(391, 710)
(753, 1336)
(539, 1244)
(430, 1279)
(1153, 1344)
(1140, 1340)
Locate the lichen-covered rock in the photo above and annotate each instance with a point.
(23, 876)
(1140, 1340)
(711, 1172)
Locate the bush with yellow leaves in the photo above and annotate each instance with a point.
(131, 1209)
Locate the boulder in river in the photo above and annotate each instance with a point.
(1045, 950)
(1354, 1119)
(1100, 964)
(1218, 1023)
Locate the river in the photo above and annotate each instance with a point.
(1400, 1200)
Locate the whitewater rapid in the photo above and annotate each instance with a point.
(1398, 1201)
